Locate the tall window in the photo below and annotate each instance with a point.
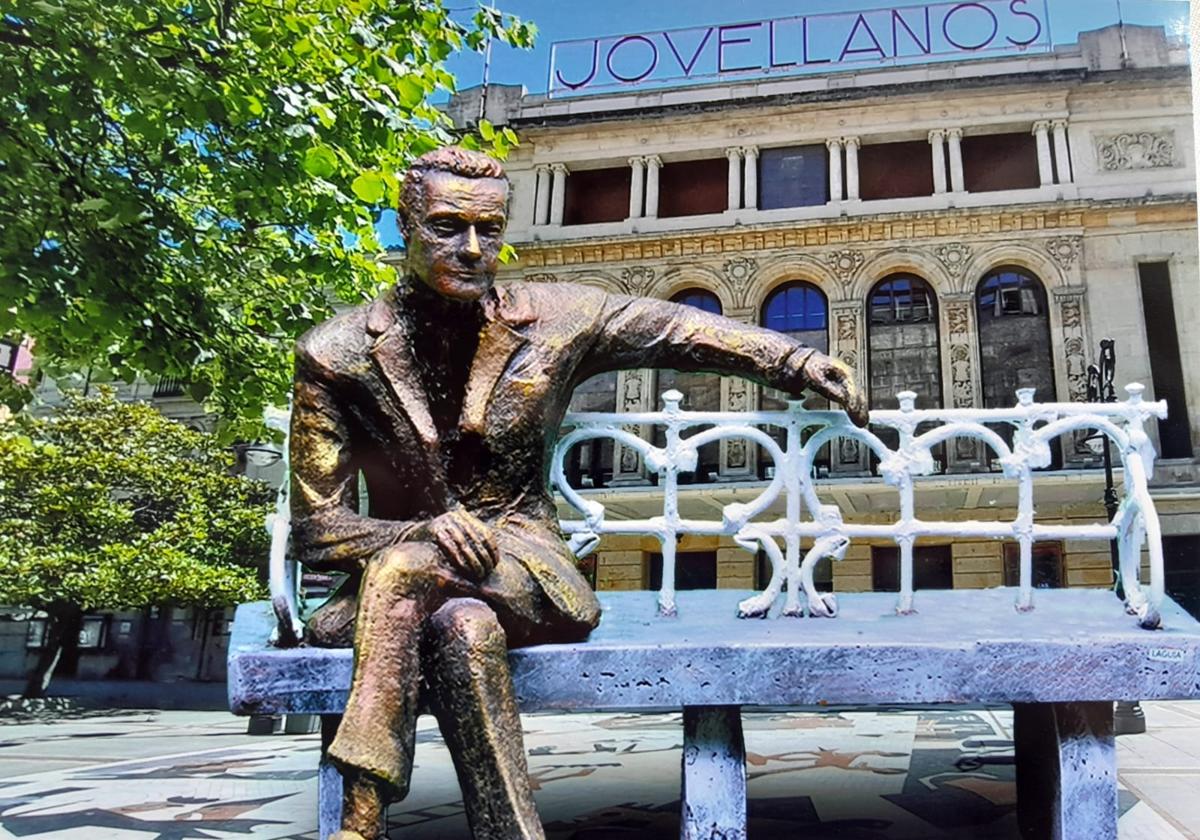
(895, 170)
(1166, 363)
(902, 350)
(1014, 343)
(800, 310)
(793, 176)
(590, 463)
(701, 392)
(693, 187)
(597, 195)
(1014, 337)
(902, 342)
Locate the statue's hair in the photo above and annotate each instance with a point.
(453, 159)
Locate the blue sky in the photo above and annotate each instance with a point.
(560, 21)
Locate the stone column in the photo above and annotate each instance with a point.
(635, 392)
(1071, 340)
(750, 178)
(961, 375)
(735, 178)
(834, 145)
(558, 193)
(954, 139)
(637, 184)
(653, 164)
(851, 144)
(847, 342)
(1045, 165)
(541, 211)
(1062, 152)
(937, 144)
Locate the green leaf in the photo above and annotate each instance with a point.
(369, 187)
(507, 254)
(92, 204)
(320, 161)
(486, 130)
(410, 91)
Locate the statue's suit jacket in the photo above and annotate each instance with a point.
(359, 407)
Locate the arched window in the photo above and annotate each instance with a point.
(902, 342)
(590, 463)
(1014, 337)
(701, 391)
(800, 310)
(1014, 342)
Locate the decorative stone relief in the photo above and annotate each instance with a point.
(637, 280)
(1074, 345)
(844, 264)
(544, 277)
(739, 274)
(1064, 250)
(631, 395)
(630, 398)
(846, 337)
(954, 256)
(735, 452)
(962, 373)
(1136, 150)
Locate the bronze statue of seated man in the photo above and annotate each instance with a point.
(446, 394)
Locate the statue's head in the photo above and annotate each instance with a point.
(453, 210)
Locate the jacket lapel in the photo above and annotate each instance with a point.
(499, 342)
(394, 362)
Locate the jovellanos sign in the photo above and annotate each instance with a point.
(795, 45)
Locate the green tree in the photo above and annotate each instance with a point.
(110, 505)
(187, 185)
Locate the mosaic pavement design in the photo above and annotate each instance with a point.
(864, 775)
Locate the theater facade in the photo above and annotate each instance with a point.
(960, 228)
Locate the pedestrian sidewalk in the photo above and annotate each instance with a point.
(878, 774)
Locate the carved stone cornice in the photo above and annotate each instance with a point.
(845, 232)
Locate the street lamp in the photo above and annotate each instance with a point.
(1129, 719)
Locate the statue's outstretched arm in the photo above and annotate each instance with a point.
(643, 332)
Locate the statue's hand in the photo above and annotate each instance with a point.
(834, 380)
(465, 541)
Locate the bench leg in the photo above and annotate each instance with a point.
(1066, 771)
(714, 774)
(329, 783)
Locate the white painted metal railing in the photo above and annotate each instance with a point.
(1035, 426)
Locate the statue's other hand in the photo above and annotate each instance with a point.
(834, 380)
(466, 543)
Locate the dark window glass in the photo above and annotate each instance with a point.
(693, 570)
(1166, 368)
(1047, 565)
(822, 571)
(1000, 162)
(902, 342)
(795, 176)
(1181, 567)
(692, 188)
(701, 392)
(1014, 344)
(597, 195)
(590, 463)
(801, 311)
(933, 568)
(895, 170)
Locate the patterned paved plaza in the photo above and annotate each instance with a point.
(904, 774)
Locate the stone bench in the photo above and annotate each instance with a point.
(1061, 666)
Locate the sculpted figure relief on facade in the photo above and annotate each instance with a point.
(962, 373)
(845, 265)
(1074, 345)
(1136, 150)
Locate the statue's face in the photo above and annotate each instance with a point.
(454, 241)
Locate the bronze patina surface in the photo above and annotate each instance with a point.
(446, 394)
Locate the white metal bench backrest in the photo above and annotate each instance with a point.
(1035, 426)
